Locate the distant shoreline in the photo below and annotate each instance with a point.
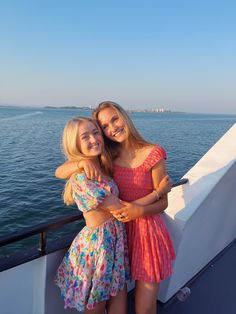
(86, 108)
(157, 110)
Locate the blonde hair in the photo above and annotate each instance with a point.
(72, 152)
(134, 139)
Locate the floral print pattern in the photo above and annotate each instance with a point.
(96, 265)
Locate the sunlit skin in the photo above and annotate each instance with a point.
(90, 139)
(112, 125)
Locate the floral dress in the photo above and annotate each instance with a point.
(96, 265)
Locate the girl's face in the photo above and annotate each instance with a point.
(112, 125)
(90, 139)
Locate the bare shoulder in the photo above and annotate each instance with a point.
(146, 150)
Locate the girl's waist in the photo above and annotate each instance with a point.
(95, 218)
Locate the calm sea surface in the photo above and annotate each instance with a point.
(30, 152)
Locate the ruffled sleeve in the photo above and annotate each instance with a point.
(87, 194)
(157, 153)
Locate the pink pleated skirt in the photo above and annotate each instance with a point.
(151, 251)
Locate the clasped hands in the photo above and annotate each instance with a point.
(129, 212)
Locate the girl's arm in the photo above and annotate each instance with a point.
(135, 210)
(65, 170)
(139, 207)
(113, 203)
(163, 188)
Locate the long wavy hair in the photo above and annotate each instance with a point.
(134, 139)
(72, 152)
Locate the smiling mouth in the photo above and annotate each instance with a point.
(95, 146)
(118, 132)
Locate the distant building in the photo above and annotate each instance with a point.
(159, 110)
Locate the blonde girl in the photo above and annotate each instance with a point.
(94, 271)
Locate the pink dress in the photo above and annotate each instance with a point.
(151, 250)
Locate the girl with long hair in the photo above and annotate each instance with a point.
(138, 169)
(94, 271)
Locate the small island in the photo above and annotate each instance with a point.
(70, 107)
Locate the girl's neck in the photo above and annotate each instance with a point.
(128, 152)
(129, 147)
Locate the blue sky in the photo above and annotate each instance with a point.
(178, 54)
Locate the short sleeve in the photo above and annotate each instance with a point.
(87, 194)
(157, 153)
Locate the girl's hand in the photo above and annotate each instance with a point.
(91, 170)
(129, 212)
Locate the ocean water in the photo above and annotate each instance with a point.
(30, 152)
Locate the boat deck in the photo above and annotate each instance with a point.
(213, 290)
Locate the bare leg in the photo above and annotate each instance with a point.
(145, 297)
(99, 309)
(118, 303)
